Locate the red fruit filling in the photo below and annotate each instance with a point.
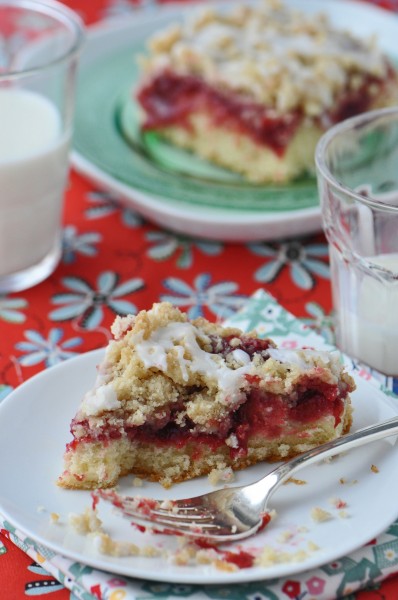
(242, 559)
(169, 99)
(224, 345)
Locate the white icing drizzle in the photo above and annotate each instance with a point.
(307, 358)
(99, 399)
(289, 356)
(182, 337)
(241, 356)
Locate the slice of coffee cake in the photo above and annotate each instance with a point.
(175, 399)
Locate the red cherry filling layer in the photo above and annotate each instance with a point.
(169, 99)
(262, 414)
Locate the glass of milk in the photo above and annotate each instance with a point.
(357, 168)
(39, 48)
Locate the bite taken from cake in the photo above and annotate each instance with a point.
(175, 399)
(253, 87)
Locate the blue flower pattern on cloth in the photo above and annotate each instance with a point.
(300, 258)
(49, 350)
(88, 303)
(10, 309)
(106, 203)
(167, 244)
(220, 298)
(74, 243)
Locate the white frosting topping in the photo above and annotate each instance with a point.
(101, 398)
(183, 339)
(307, 358)
(241, 356)
(289, 356)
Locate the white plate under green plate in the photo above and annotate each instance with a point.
(34, 428)
(170, 186)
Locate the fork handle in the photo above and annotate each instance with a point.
(342, 444)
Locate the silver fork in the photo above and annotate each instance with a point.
(234, 513)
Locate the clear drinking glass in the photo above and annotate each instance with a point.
(357, 169)
(39, 47)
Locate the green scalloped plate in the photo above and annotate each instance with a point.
(165, 184)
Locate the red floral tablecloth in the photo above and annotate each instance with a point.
(113, 261)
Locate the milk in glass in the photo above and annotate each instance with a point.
(33, 171)
(367, 305)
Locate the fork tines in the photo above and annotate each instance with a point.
(169, 514)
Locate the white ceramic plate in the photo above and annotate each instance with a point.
(34, 427)
(169, 186)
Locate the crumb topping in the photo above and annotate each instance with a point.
(270, 53)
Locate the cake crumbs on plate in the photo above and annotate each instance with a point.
(138, 482)
(184, 555)
(285, 536)
(327, 460)
(221, 475)
(312, 546)
(189, 552)
(271, 556)
(224, 565)
(320, 515)
(206, 556)
(331, 459)
(374, 469)
(303, 529)
(338, 503)
(344, 481)
(296, 481)
(87, 522)
(54, 517)
(110, 547)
